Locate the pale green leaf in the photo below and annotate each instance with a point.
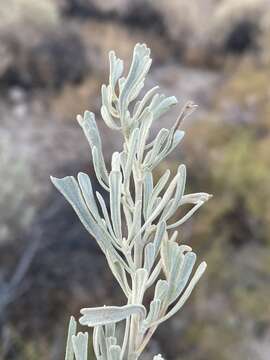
(80, 345)
(109, 314)
(72, 328)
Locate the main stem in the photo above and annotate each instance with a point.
(138, 252)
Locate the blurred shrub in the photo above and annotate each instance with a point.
(50, 61)
(54, 56)
(100, 37)
(85, 8)
(204, 31)
(17, 194)
(228, 155)
(73, 100)
(15, 14)
(237, 25)
(56, 60)
(237, 166)
(186, 23)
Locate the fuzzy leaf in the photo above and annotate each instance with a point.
(115, 352)
(80, 345)
(198, 274)
(72, 328)
(164, 105)
(87, 191)
(149, 256)
(158, 357)
(140, 280)
(153, 314)
(109, 314)
(157, 190)
(131, 154)
(99, 343)
(131, 86)
(119, 273)
(147, 191)
(139, 106)
(115, 182)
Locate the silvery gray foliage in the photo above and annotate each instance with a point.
(138, 233)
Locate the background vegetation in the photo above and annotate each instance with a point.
(53, 60)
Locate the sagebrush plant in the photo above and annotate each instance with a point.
(137, 234)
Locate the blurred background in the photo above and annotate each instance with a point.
(53, 60)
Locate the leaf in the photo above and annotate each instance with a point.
(80, 345)
(100, 174)
(195, 198)
(173, 139)
(166, 197)
(158, 357)
(109, 121)
(68, 186)
(139, 106)
(131, 86)
(184, 273)
(115, 183)
(169, 254)
(186, 217)
(146, 120)
(149, 256)
(153, 276)
(165, 103)
(119, 273)
(88, 123)
(156, 146)
(131, 154)
(115, 352)
(135, 79)
(198, 274)
(153, 314)
(147, 190)
(99, 343)
(89, 126)
(109, 314)
(116, 68)
(136, 222)
(87, 191)
(105, 213)
(72, 328)
(115, 161)
(156, 191)
(161, 228)
(161, 290)
(180, 188)
(110, 330)
(140, 280)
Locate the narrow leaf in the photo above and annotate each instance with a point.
(72, 328)
(80, 346)
(109, 314)
(115, 182)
